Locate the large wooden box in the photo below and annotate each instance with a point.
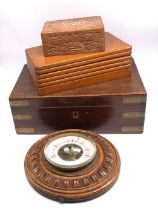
(111, 107)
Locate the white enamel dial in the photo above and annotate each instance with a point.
(70, 151)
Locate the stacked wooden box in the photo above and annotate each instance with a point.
(61, 64)
(72, 88)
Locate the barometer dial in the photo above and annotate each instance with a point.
(70, 151)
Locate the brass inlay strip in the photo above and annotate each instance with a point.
(19, 103)
(134, 99)
(22, 117)
(131, 115)
(25, 130)
(132, 129)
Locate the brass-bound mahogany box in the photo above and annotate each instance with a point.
(116, 106)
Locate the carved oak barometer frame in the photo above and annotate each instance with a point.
(96, 172)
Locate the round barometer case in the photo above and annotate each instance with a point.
(72, 165)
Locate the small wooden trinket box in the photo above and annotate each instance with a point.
(72, 36)
(111, 107)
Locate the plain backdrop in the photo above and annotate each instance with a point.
(135, 22)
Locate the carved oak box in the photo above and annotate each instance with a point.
(72, 36)
(116, 106)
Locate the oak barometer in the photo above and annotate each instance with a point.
(72, 165)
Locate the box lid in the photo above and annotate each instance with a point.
(75, 24)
